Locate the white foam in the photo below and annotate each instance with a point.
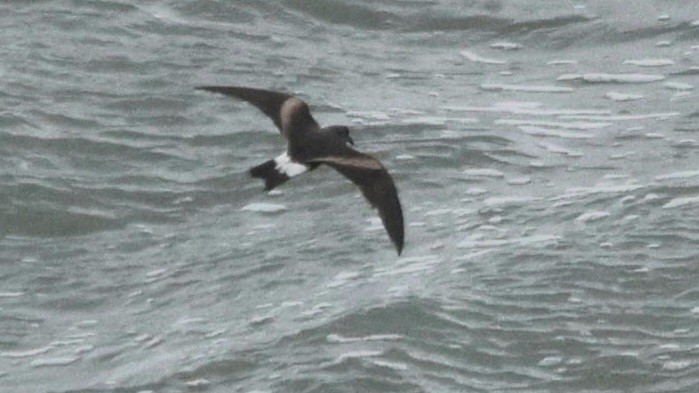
(678, 86)
(662, 115)
(520, 181)
(540, 131)
(476, 191)
(527, 108)
(679, 202)
(559, 149)
(57, 361)
(654, 135)
(678, 175)
(11, 294)
(674, 365)
(695, 23)
(550, 361)
(592, 216)
(358, 354)
(411, 265)
(507, 201)
(483, 172)
(198, 383)
(541, 240)
(471, 56)
(505, 45)
(650, 62)
(285, 165)
(558, 124)
(369, 115)
(526, 88)
(336, 338)
(578, 192)
(614, 96)
(391, 365)
(27, 353)
(612, 78)
(342, 278)
(263, 207)
(562, 62)
(426, 120)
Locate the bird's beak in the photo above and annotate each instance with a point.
(349, 140)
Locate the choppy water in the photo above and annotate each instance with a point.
(546, 155)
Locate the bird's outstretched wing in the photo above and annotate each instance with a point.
(284, 110)
(376, 185)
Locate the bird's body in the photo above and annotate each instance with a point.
(309, 146)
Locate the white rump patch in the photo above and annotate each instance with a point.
(285, 165)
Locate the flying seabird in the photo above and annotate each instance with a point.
(309, 145)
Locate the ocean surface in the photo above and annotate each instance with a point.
(546, 154)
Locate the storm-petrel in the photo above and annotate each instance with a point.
(309, 145)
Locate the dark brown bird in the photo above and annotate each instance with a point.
(309, 145)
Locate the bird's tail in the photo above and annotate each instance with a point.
(278, 170)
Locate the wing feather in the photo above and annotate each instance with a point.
(377, 186)
(284, 109)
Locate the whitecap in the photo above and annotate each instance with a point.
(654, 135)
(476, 191)
(614, 96)
(11, 294)
(660, 116)
(519, 181)
(27, 353)
(678, 86)
(592, 216)
(155, 273)
(650, 62)
(550, 361)
(534, 240)
(483, 172)
(391, 365)
(357, 354)
(678, 175)
(198, 383)
(505, 45)
(679, 202)
(336, 338)
(342, 278)
(507, 201)
(576, 125)
(57, 361)
(546, 132)
(425, 120)
(527, 108)
(559, 149)
(562, 62)
(261, 207)
(612, 78)
(471, 56)
(526, 88)
(677, 365)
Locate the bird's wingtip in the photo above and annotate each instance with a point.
(205, 88)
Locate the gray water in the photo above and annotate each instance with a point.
(546, 154)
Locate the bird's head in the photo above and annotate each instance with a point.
(343, 133)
